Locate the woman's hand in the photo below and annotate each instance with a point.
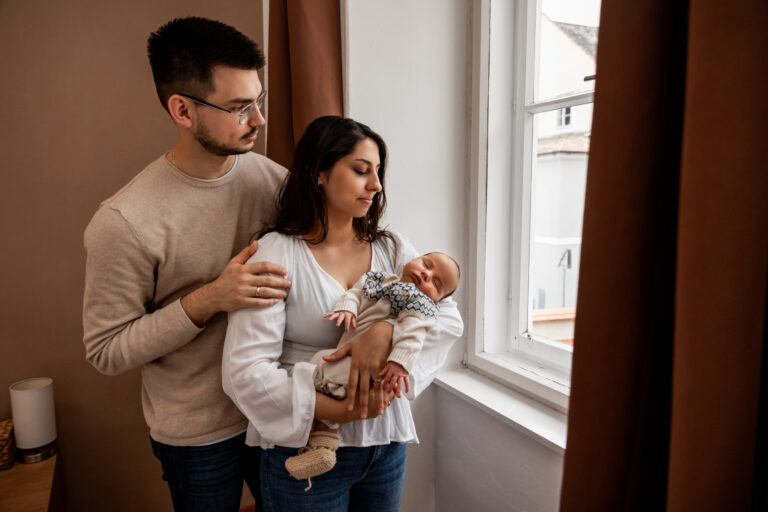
(338, 411)
(372, 409)
(369, 352)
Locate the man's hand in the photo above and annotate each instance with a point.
(240, 285)
(368, 352)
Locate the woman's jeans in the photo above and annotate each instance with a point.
(210, 477)
(364, 479)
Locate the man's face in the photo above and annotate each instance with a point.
(218, 132)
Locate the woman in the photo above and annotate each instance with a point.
(326, 236)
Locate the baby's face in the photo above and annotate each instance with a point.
(434, 274)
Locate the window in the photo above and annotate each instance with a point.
(534, 65)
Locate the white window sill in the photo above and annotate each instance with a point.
(537, 381)
(536, 420)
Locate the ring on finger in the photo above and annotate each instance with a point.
(377, 381)
(258, 291)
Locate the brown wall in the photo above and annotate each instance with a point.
(78, 118)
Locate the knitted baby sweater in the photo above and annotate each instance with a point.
(377, 296)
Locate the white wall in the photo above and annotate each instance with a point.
(408, 77)
(484, 465)
(407, 65)
(407, 68)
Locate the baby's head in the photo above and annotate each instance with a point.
(435, 274)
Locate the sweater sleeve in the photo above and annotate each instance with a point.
(118, 332)
(407, 338)
(439, 339)
(350, 301)
(279, 405)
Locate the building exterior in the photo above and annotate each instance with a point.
(566, 56)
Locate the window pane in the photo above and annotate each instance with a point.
(566, 46)
(559, 177)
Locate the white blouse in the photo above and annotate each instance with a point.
(265, 368)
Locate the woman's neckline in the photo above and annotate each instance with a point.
(305, 244)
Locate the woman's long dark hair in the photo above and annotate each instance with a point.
(301, 203)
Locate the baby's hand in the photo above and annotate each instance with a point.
(347, 317)
(393, 377)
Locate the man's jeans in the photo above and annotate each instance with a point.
(210, 478)
(364, 479)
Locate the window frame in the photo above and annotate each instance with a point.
(502, 104)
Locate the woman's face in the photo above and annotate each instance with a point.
(350, 185)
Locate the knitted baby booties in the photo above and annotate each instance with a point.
(318, 457)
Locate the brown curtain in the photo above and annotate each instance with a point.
(304, 78)
(670, 373)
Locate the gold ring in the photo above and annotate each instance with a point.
(258, 289)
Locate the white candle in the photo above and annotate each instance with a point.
(34, 421)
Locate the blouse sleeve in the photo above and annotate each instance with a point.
(279, 405)
(448, 328)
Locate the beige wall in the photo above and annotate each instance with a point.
(78, 118)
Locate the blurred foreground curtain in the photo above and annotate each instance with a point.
(304, 79)
(669, 386)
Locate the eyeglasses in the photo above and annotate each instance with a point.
(242, 114)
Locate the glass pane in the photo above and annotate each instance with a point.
(566, 47)
(559, 176)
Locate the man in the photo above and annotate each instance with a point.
(160, 271)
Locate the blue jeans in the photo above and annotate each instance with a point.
(210, 478)
(364, 479)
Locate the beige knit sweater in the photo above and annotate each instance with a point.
(157, 239)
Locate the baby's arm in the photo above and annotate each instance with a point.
(346, 309)
(407, 338)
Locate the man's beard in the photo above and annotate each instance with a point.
(203, 136)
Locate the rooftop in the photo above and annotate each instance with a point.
(582, 35)
(564, 143)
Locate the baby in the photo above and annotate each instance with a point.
(412, 301)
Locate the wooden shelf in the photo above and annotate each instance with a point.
(27, 487)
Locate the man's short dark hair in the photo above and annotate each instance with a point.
(183, 52)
